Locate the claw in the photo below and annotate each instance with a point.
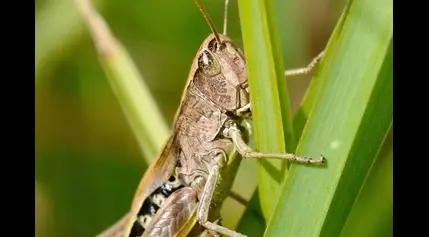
(322, 159)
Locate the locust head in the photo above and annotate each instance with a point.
(220, 74)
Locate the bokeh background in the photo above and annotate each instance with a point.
(88, 162)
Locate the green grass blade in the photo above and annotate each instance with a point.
(348, 124)
(269, 96)
(372, 213)
(133, 95)
(292, 36)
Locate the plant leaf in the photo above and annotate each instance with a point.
(133, 95)
(372, 213)
(348, 124)
(269, 96)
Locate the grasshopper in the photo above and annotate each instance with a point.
(184, 187)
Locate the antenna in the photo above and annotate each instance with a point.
(209, 21)
(225, 17)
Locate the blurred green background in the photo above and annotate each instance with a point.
(88, 162)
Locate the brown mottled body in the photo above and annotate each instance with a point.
(216, 89)
(198, 140)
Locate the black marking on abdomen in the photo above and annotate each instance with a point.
(169, 187)
(137, 229)
(150, 207)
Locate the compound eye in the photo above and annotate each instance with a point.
(208, 64)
